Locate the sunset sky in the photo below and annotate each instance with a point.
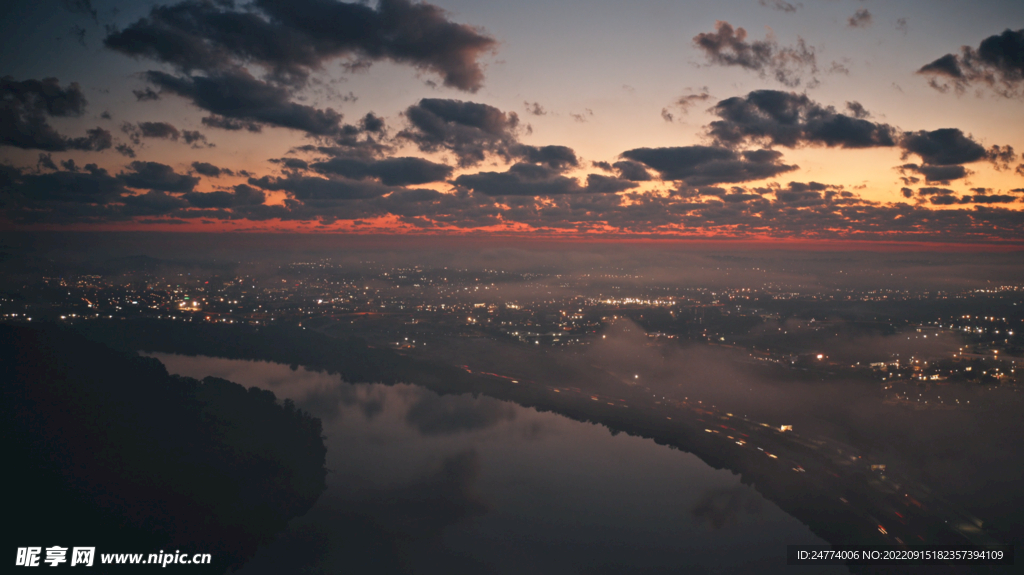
(900, 121)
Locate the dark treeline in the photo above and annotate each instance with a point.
(108, 450)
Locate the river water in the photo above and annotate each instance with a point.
(422, 483)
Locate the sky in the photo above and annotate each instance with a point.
(757, 120)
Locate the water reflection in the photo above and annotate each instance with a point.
(422, 483)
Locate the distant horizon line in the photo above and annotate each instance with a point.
(392, 240)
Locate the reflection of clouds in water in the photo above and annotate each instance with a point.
(535, 430)
(443, 497)
(480, 485)
(721, 508)
(326, 400)
(432, 414)
(320, 393)
(391, 530)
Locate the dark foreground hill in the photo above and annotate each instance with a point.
(106, 449)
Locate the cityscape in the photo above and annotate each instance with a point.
(456, 287)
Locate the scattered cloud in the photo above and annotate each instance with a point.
(771, 117)
(535, 108)
(238, 95)
(861, 19)
(942, 147)
(997, 64)
(391, 171)
(25, 107)
(292, 38)
(211, 170)
(780, 5)
(707, 165)
(146, 95)
(538, 180)
(683, 104)
(727, 46)
(156, 176)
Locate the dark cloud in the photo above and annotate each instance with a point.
(903, 25)
(937, 173)
(232, 124)
(313, 188)
(61, 197)
(156, 176)
(947, 65)
(583, 116)
(164, 131)
(1001, 157)
(25, 106)
(292, 163)
(158, 130)
(942, 147)
(401, 171)
(704, 165)
(294, 37)
(472, 131)
(195, 139)
(372, 123)
(807, 194)
(780, 5)
(146, 95)
(771, 117)
(857, 110)
(94, 140)
(153, 203)
(242, 195)
(997, 63)
(238, 95)
(520, 180)
(125, 150)
(684, 103)
(942, 200)
(729, 47)
(931, 191)
(210, 170)
(559, 157)
(598, 184)
(467, 129)
(992, 199)
(861, 19)
(538, 180)
(632, 171)
(535, 108)
(45, 162)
